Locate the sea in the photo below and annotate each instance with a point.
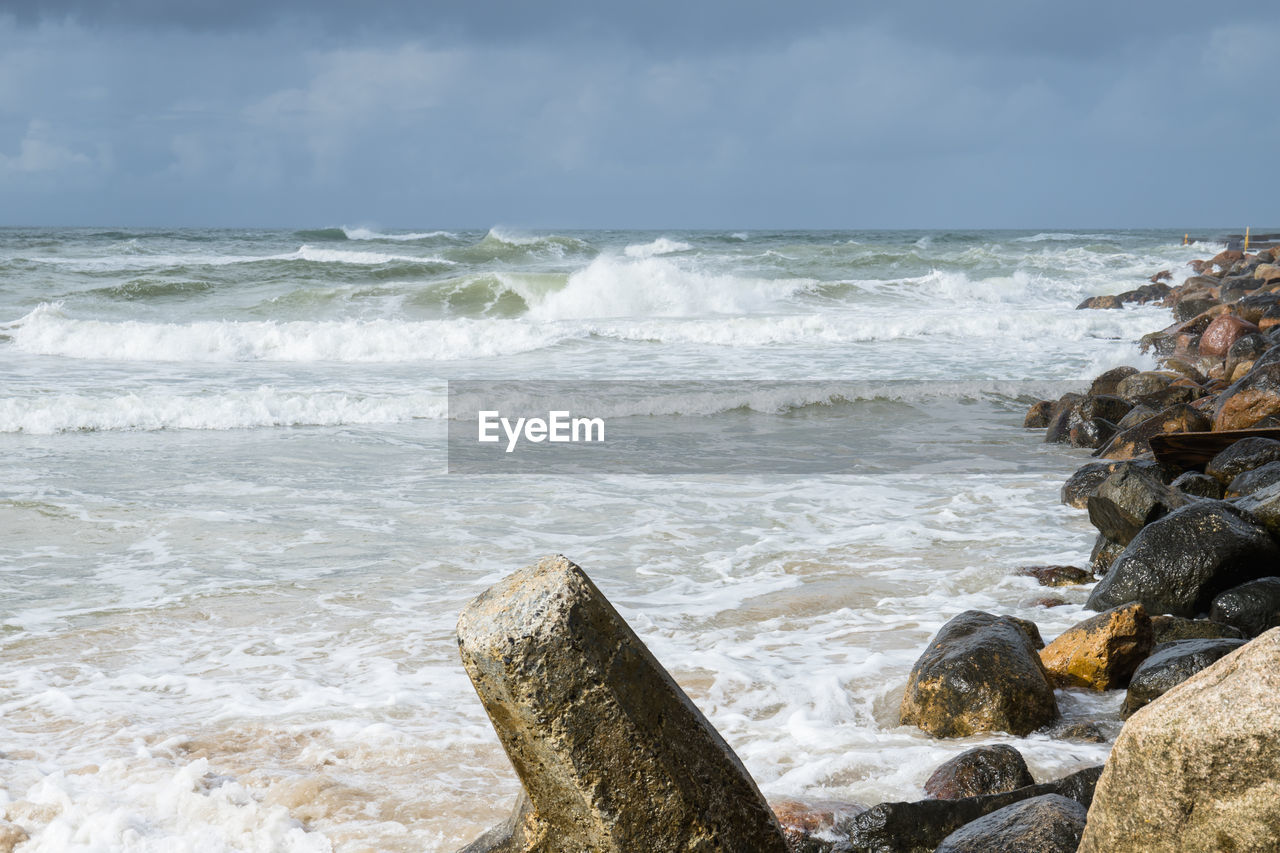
(232, 550)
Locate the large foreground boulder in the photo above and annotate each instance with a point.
(1200, 768)
(919, 827)
(1129, 499)
(1101, 652)
(980, 673)
(1049, 823)
(1242, 456)
(612, 754)
(991, 769)
(1178, 563)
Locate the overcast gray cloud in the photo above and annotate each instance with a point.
(658, 115)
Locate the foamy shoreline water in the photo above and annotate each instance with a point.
(233, 562)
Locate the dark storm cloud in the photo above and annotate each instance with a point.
(663, 114)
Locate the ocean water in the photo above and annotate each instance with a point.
(231, 556)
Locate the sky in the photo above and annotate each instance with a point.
(663, 114)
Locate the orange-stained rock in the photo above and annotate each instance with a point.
(1241, 369)
(809, 824)
(1267, 273)
(1224, 331)
(1225, 259)
(1132, 443)
(1250, 398)
(1101, 652)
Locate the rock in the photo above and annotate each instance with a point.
(1254, 481)
(1060, 413)
(612, 753)
(1055, 575)
(1101, 652)
(1147, 382)
(1170, 665)
(1133, 442)
(1108, 381)
(1198, 485)
(1105, 552)
(1197, 770)
(1255, 306)
(1192, 307)
(1252, 607)
(1100, 302)
(1251, 398)
(815, 826)
(1038, 415)
(982, 770)
(1263, 505)
(1224, 259)
(1186, 370)
(1178, 563)
(1084, 482)
(1249, 347)
(980, 673)
(921, 826)
(1167, 629)
(1130, 499)
(1045, 601)
(1050, 823)
(1163, 275)
(1267, 273)
(1085, 732)
(1243, 455)
(1137, 415)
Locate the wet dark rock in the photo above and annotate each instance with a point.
(1244, 455)
(1178, 563)
(1198, 485)
(1056, 575)
(1168, 629)
(991, 769)
(1131, 498)
(1249, 347)
(1137, 415)
(1252, 607)
(1109, 381)
(1186, 370)
(1060, 414)
(1084, 482)
(1038, 415)
(1104, 554)
(980, 673)
(1050, 823)
(611, 752)
(1254, 306)
(1254, 481)
(1187, 309)
(1170, 665)
(919, 827)
(1263, 505)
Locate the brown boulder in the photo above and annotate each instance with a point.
(1199, 768)
(1252, 397)
(980, 673)
(1038, 415)
(1106, 301)
(1108, 381)
(1267, 273)
(1224, 259)
(1222, 333)
(1055, 575)
(812, 826)
(1101, 652)
(612, 754)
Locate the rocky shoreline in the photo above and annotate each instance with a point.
(613, 756)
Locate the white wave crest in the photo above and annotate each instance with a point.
(657, 287)
(369, 234)
(47, 331)
(660, 246)
(343, 256)
(261, 407)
